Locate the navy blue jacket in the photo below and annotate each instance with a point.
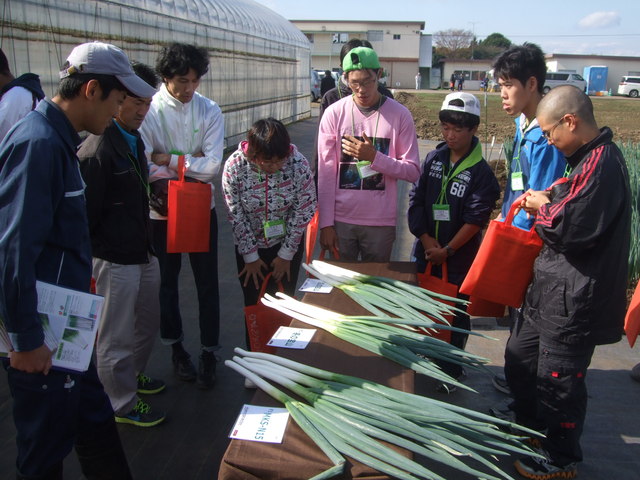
(43, 219)
(29, 81)
(471, 196)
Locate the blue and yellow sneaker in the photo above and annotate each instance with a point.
(141, 416)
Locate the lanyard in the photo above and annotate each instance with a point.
(473, 158)
(163, 122)
(138, 171)
(353, 123)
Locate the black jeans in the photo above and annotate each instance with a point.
(205, 273)
(547, 380)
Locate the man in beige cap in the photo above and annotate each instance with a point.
(46, 238)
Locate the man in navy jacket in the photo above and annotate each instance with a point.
(46, 237)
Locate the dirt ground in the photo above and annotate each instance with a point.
(621, 114)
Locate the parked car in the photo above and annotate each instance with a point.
(554, 79)
(629, 86)
(315, 86)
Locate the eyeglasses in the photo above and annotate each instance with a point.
(361, 85)
(549, 133)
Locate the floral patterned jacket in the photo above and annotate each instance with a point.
(254, 197)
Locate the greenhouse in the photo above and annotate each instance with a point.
(259, 61)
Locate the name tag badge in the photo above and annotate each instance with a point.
(441, 213)
(365, 170)
(274, 229)
(517, 182)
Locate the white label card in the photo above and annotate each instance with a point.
(315, 286)
(260, 424)
(289, 337)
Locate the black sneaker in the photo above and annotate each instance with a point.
(183, 367)
(503, 411)
(206, 370)
(500, 384)
(542, 469)
(141, 416)
(148, 385)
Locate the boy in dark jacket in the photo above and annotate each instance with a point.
(577, 298)
(126, 271)
(452, 202)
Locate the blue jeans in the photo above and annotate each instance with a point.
(55, 412)
(205, 273)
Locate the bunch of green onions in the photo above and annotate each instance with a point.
(384, 296)
(346, 415)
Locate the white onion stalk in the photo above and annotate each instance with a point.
(353, 414)
(394, 342)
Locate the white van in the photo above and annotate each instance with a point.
(554, 79)
(629, 86)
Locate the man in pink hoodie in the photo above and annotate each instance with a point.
(366, 142)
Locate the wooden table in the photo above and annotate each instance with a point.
(298, 457)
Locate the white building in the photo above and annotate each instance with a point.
(617, 66)
(259, 61)
(401, 47)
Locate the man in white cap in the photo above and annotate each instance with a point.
(451, 203)
(46, 238)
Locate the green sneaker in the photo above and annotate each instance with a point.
(148, 385)
(141, 416)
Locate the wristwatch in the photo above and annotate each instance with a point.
(450, 251)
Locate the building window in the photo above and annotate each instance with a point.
(309, 37)
(375, 35)
(340, 38)
(396, 36)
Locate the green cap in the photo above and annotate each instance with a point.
(360, 58)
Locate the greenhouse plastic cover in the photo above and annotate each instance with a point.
(259, 61)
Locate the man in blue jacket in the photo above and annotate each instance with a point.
(46, 237)
(535, 164)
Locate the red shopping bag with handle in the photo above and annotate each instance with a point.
(189, 214)
(262, 321)
(439, 285)
(479, 307)
(503, 267)
(632, 319)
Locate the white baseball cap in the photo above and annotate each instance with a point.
(106, 59)
(470, 104)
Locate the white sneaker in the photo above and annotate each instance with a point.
(249, 384)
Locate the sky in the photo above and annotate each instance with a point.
(558, 26)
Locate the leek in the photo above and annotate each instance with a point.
(353, 415)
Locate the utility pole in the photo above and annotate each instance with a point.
(473, 38)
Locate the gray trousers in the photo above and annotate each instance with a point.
(364, 243)
(129, 327)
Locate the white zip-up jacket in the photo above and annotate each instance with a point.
(172, 126)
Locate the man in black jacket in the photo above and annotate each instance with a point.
(126, 271)
(577, 298)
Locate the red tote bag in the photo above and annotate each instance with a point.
(262, 321)
(632, 319)
(479, 307)
(439, 285)
(189, 214)
(503, 267)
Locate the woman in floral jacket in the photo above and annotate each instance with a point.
(270, 194)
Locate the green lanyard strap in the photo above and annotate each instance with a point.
(473, 158)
